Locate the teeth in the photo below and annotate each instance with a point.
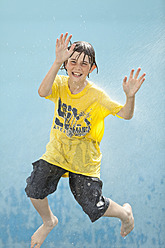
(77, 74)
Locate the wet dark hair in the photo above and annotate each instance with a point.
(87, 49)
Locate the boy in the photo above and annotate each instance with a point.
(78, 127)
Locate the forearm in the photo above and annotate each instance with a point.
(130, 88)
(45, 88)
(128, 110)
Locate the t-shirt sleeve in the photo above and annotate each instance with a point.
(109, 106)
(53, 95)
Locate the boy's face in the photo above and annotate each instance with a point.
(77, 67)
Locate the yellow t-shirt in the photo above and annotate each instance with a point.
(78, 127)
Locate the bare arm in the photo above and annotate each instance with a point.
(62, 54)
(45, 88)
(130, 88)
(128, 110)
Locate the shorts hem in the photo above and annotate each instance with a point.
(107, 203)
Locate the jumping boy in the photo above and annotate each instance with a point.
(77, 129)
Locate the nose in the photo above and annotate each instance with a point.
(78, 66)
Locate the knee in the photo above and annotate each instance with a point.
(97, 210)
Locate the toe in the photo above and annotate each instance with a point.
(38, 246)
(123, 234)
(32, 244)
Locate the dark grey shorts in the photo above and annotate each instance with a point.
(86, 190)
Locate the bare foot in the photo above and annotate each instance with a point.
(42, 232)
(127, 223)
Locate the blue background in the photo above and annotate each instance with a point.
(125, 35)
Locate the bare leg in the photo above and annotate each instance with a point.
(49, 221)
(124, 213)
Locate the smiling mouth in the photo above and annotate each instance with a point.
(75, 74)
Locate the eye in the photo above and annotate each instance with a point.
(84, 63)
(73, 61)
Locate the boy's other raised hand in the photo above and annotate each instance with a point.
(134, 83)
(62, 52)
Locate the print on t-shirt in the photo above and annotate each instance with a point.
(72, 122)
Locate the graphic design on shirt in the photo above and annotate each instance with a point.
(73, 123)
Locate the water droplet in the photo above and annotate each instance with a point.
(89, 184)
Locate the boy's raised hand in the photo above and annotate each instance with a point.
(133, 84)
(62, 52)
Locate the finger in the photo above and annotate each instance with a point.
(125, 80)
(65, 36)
(131, 74)
(142, 81)
(61, 36)
(69, 38)
(140, 84)
(137, 73)
(140, 78)
(72, 47)
(57, 42)
(71, 50)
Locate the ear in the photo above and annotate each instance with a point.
(93, 67)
